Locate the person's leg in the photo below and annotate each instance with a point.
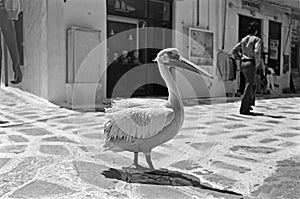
(9, 34)
(242, 82)
(0, 56)
(249, 72)
(252, 103)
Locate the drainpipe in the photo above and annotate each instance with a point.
(0, 57)
(5, 55)
(224, 26)
(193, 15)
(198, 12)
(208, 14)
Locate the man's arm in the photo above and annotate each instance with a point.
(257, 51)
(236, 51)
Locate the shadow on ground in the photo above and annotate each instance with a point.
(161, 177)
(267, 115)
(275, 116)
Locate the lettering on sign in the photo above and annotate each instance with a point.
(250, 4)
(294, 36)
(295, 30)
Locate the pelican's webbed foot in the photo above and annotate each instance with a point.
(136, 166)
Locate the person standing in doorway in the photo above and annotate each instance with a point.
(9, 10)
(248, 51)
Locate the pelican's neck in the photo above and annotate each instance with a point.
(174, 96)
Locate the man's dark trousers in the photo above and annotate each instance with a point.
(248, 68)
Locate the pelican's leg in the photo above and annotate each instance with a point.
(135, 160)
(135, 163)
(148, 159)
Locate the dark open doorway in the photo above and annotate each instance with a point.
(124, 15)
(274, 46)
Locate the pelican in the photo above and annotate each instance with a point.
(139, 125)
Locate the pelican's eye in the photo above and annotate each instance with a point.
(173, 56)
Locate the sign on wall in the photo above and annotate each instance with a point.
(274, 45)
(251, 5)
(295, 31)
(286, 63)
(201, 46)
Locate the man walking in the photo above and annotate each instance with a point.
(248, 50)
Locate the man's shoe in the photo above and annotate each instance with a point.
(17, 78)
(246, 113)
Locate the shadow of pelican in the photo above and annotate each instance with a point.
(161, 177)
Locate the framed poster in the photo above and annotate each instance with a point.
(274, 44)
(201, 44)
(286, 63)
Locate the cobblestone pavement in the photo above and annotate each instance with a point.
(51, 152)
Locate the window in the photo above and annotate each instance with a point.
(127, 8)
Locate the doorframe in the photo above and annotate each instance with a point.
(126, 20)
(279, 47)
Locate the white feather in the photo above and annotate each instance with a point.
(134, 118)
(121, 104)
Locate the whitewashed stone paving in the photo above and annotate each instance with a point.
(51, 152)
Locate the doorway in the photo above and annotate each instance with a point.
(274, 46)
(135, 16)
(124, 33)
(244, 22)
(295, 59)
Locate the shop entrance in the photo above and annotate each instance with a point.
(125, 52)
(295, 59)
(244, 22)
(274, 46)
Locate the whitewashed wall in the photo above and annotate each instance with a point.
(35, 47)
(45, 26)
(89, 14)
(185, 16)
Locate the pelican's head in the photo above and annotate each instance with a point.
(171, 57)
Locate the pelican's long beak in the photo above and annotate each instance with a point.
(188, 65)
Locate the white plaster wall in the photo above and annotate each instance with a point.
(185, 16)
(45, 26)
(89, 14)
(35, 47)
(86, 14)
(293, 3)
(56, 51)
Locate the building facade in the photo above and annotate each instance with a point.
(76, 52)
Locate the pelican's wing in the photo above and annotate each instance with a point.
(121, 104)
(137, 122)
